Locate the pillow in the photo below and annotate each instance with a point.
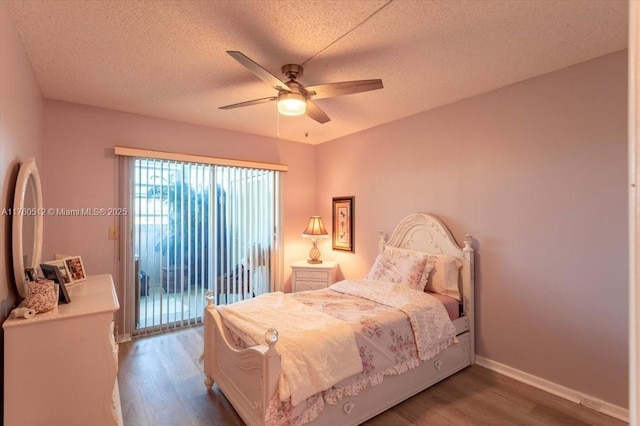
(444, 276)
(440, 274)
(395, 251)
(404, 267)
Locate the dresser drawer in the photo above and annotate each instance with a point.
(312, 275)
(302, 285)
(306, 276)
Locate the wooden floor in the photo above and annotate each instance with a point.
(161, 383)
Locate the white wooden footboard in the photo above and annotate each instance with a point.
(248, 377)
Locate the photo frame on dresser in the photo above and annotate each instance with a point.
(342, 229)
(75, 268)
(52, 272)
(71, 268)
(59, 264)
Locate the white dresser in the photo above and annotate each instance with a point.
(312, 276)
(60, 367)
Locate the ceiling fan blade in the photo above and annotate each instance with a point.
(314, 112)
(247, 103)
(330, 90)
(260, 72)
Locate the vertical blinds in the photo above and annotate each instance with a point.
(199, 227)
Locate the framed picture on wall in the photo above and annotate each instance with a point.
(342, 230)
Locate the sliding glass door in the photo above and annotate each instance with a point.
(199, 227)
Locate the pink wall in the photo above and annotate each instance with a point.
(537, 173)
(82, 172)
(21, 114)
(21, 111)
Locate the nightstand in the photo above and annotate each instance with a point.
(312, 276)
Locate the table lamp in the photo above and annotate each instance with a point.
(315, 230)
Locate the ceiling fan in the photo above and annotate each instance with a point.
(295, 99)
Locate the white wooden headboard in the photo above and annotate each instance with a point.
(425, 232)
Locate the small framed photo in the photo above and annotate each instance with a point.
(52, 272)
(342, 230)
(75, 268)
(59, 264)
(30, 274)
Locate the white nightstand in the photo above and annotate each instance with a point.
(312, 276)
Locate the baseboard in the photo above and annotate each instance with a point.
(121, 338)
(553, 388)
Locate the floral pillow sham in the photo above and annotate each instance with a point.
(399, 266)
(440, 273)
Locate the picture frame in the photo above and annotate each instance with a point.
(75, 268)
(59, 264)
(342, 231)
(52, 272)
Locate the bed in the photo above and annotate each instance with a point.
(249, 376)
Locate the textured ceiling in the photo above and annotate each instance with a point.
(167, 58)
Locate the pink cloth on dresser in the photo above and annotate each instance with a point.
(452, 305)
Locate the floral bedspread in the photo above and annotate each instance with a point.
(432, 329)
(385, 341)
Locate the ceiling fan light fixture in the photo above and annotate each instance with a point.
(291, 104)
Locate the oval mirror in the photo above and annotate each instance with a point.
(27, 223)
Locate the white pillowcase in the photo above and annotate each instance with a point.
(444, 276)
(406, 267)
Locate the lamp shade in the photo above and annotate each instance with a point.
(315, 228)
(291, 104)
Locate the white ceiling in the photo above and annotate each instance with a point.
(168, 58)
